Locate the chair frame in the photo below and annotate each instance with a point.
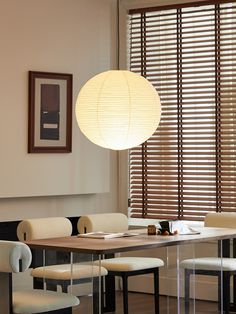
(6, 296)
(110, 303)
(64, 258)
(51, 284)
(227, 306)
(6, 292)
(109, 297)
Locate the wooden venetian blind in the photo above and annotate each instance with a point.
(188, 167)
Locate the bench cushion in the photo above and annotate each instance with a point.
(130, 263)
(210, 263)
(39, 301)
(63, 272)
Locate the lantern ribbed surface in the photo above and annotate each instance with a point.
(118, 109)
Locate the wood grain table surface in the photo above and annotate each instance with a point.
(124, 244)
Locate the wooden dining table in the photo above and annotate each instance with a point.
(142, 241)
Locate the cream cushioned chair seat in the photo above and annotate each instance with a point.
(211, 266)
(210, 263)
(130, 263)
(38, 301)
(124, 267)
(63, 272)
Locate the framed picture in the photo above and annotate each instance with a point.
(50, 112)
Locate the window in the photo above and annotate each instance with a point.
(188, 167)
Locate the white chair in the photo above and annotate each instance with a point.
(212, 266)
(62, 274)
(123, 267)
(16, 257)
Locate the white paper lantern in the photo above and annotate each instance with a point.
(118, 109)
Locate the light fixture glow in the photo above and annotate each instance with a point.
(118, 109)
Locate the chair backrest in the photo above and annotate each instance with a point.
(109, 222)
(221, 220)
(15, 257)
(43, 228)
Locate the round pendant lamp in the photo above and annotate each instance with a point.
(118, 109)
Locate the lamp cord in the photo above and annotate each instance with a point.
(118, 35)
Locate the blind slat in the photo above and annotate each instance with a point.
(188, 167)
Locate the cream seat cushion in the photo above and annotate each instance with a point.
(63, 272)
(219, 220)
(38, 301)
(130, 263)
(43, 228)
(110, 222)
(210, 263)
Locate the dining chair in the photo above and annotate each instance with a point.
(123, 267)
(214, 266)
(55, 274)
(15, 257)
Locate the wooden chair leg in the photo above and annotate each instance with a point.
(219, 291)
(110, 294)
(125, 293)
(51, 287)
(96, 295)
(64, 287)
(37, 283)
(156, 291)
(6, 293)
(233, 306)
(234, 292)
(186, 290)
(226, 292)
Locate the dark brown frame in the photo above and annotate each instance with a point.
(33, 103)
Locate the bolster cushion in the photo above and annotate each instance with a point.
(43, 228)
(111, 222)
(11, 253)
(221, 220)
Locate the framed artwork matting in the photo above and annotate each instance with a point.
(50, 112)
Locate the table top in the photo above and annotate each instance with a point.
(125, 244)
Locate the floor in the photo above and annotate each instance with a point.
(140, 303)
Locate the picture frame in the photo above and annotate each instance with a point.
(50, 112)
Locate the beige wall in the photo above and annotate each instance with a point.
(65, 36)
